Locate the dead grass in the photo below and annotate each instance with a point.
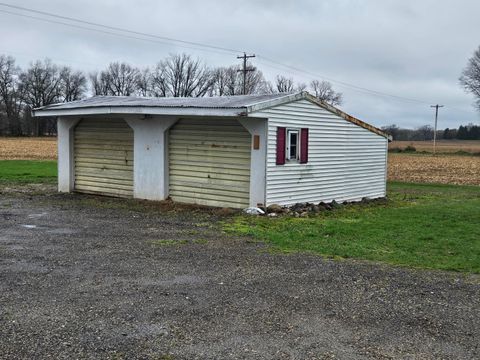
(443, 146)
(28, 148)
(440, 169)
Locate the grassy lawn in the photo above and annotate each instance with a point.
(422, 225)
(28, 171)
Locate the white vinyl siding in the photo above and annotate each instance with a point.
(346, 161)
(209, 162)
(103, 154)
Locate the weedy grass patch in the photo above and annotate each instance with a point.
(424, 226)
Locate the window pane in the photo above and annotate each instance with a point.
(293, 152)
(293, 145)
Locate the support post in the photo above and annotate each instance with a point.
(66, 165)
(258, 159)
(150, 154)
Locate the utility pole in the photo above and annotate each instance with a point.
(245, 70)
(435, 130)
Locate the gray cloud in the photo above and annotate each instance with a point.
(413, 49)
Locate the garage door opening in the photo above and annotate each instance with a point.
(103, 155)
(209, 162)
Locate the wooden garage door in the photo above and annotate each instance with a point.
(210, 163)
(103, 151)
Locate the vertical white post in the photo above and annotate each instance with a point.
(386, 167)
(150, 163)
(258, 171)
(66, 166)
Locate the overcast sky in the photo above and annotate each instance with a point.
(408, 48)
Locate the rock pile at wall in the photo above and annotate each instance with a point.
(308, 209)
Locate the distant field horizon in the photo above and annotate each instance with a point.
(447, 167)
(445, 146)
(45, 148)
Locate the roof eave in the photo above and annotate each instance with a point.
(132, 110)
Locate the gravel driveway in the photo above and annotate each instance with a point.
(90, 277)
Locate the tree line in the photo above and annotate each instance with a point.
(425, 132)
(178, 75)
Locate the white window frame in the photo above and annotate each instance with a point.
(288, 143)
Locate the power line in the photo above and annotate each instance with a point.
(355, 87)
(118, 28)
(345, 84)
(190, 45)
(106, 32)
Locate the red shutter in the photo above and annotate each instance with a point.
(281, 138)
(304, 146)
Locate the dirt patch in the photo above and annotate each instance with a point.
(441, 169)
(88, 279)
(28, 148)
(30, 189)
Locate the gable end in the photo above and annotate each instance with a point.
(346, 116)
(288, 98)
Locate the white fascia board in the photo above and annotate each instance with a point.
(108, 110)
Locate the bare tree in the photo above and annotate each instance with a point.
(284, 84)
(119, 79)
(302, 87)
(100, 83)
(144, 82)
(256, 83)
(73, 84)
(228, 81)
(40, 86)
(158, 81)
(323, 90)
(393, 130)
(123, 79)
(470, 78)
(40, 83)
(425, 132)
(225, 82)
(183, 76)
(10, 96)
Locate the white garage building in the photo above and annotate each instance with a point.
(235, 151)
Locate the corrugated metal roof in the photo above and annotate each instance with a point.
(238, 105)
(217, 102)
